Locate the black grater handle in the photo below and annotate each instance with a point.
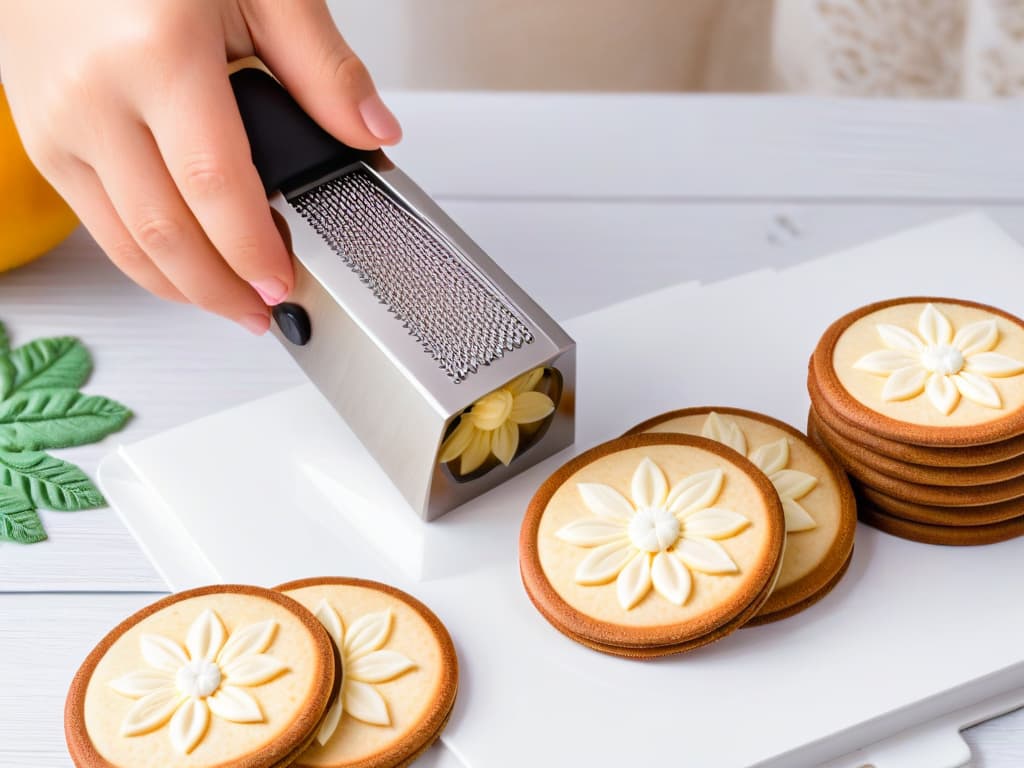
(288, 148)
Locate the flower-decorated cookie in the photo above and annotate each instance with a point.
(820, 509)
(400, 674)
(933, 372)
(652, 544)
(218, 676)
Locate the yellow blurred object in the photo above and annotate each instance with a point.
(33, 217)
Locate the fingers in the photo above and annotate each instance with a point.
(208, 157)
(146, 199)
(302, 47)
(81, 187)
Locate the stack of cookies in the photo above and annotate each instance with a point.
(322, 673)
(921, 400)
(690, 526)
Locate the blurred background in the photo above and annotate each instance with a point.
(901, 48)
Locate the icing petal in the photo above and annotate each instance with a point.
(530, 407)
(715, 523)
(163, 654)
(977, 389)
(905, 383)
(254, 669)
(235, 705)
(934, 326)
(605, 501)
(884, 361)
(205, 636)
(330, 721)
(255, 638)
(726, 431)
(476, 452)
(150, 712)
(189, 724)
(797, 518)
(604, 563)
(332, 622)
(704, 555)
(591, 532)
(772, 457)
(670, 578)
(379, 666)
(649, 487)
(525, 383)
(994, 364)
(942, 393)
(458, 441)
(792, 484)
(364, 702)
(142, 683)
(895, 337)
(367, 633)
(505, 442)
(634, 581)
(976, 337)
(695, 492)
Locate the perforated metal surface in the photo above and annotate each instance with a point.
(458, 319)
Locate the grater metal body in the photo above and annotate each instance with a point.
(411, 323)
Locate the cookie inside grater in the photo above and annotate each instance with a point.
(459, 318)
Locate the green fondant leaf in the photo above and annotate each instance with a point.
(18, 519)
(7, 376)
(57, 418)
(5, 340)
(58, 363)
(48, 482)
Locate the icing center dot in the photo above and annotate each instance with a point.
(493, 410)
(199, 678)
(942, 358)
(653, 530)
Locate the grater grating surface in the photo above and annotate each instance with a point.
(459, 320)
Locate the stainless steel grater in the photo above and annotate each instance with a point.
(405, 325)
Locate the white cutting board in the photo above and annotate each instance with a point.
(915, 643)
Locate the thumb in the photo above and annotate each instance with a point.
(303, 48)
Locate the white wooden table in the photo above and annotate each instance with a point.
(585, 200)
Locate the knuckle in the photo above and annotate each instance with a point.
(245, 254)
(203, 175)
(156, 231)
(127, 255)
(345, 68)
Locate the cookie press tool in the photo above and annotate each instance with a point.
(452, 377)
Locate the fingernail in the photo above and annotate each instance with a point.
(379, 120)
(256, 324)
(271, 290)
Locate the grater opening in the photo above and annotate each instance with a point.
(458, 318)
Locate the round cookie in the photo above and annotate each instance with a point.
(211, 677)
(932, 495)
(652, 542)
(401, 674)
(928, 371)
(940, 534)
(821, 512)
(784, 613)
(974, 456)
(945, 516)
(919, 473)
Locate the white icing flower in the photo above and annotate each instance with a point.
(655, 537)
(364, 664)
(492, 425)
(942, 365)
(207, 675)
(772, 459)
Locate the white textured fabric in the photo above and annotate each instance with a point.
(901, 48)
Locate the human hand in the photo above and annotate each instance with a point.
(125, 106)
